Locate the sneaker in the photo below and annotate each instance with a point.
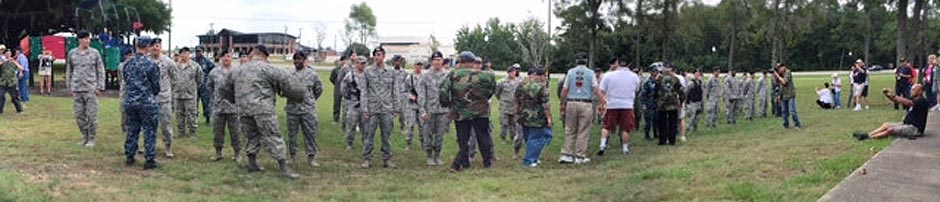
(533, 165)
(600, 152)
(682, 138)
(90, 144)
(565, 159)
(857, 108)
(582, 160)
(866, 106)
(365, 164)
(625, 152)
(431, 162)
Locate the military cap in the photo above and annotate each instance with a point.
(143, 41)
(467, 56)
(83, 34)
(263, 49)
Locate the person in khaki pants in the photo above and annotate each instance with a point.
(579, 92)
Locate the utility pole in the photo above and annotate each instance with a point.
(169, 32)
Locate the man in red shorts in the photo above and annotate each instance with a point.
(621, 87)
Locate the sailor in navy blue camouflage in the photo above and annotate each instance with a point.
(204, 95)
(141, 86)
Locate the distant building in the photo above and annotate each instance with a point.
(226, 39)
(412, 48)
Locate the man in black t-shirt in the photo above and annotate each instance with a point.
(914, 122)
(902, 83)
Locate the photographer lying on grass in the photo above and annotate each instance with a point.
(914, 121)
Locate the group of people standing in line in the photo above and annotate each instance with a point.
(368, 95)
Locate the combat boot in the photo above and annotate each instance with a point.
(238, 157)
(218, 155)
(312, 160)
(437, 158)
(253, 164)
(285, 171)
(169, 151)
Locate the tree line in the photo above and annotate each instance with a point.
(747, 35)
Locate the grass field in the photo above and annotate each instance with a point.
(751, 161)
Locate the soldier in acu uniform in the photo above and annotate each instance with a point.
(224, 110)
(165, 97)
(141, 86)
(378, 108)
(435, 119)
(187, 81)
(747, 98)
(409, 109)
(506, 93)
(762, 95)
(713, 94)
(732, 96)
(351, 90)
(85, 79)
(302, 113)
(252, 87)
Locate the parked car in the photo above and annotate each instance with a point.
(875, 68)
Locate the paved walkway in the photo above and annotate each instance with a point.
(908, 170)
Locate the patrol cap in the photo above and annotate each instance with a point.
(83, 34)
(419, 62)
(362, 59)
(512, 68)
(538, 71)
(185, 49)
(377, 50)
(143, 42)
(437, 54)
(156, 40)
(478, 60)
(397, 58)
(467, 56)
(198, 49)
(263, 49)
(300, 55)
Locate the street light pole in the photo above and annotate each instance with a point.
(169, 32)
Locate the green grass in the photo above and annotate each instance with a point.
(751, 161)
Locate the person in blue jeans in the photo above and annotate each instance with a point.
(787, 96)
(534, 114)
(24, 79)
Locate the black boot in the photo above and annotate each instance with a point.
(253, 164)
(285, 171)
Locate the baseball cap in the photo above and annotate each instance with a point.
(143, 41)
(467, 56)
(83, 34)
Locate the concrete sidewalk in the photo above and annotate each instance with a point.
(908, 170)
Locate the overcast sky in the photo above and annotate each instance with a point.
(422, 18)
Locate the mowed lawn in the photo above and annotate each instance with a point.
(751, 161)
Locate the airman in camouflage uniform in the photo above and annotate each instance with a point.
(351, 90)
(466, 91)
(506, 93)
(747, 98)
(762, 95)
(187, 81)
(252, 87)
(224, 110)
(165, 98)
(435, 117)
(302, 113)
(398, 63)
(409, 96)
(378, 105)
(732, 96)
(141, 86)
(713, 97)
(85, 79)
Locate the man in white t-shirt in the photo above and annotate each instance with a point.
(621, 87)
(825, 97)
